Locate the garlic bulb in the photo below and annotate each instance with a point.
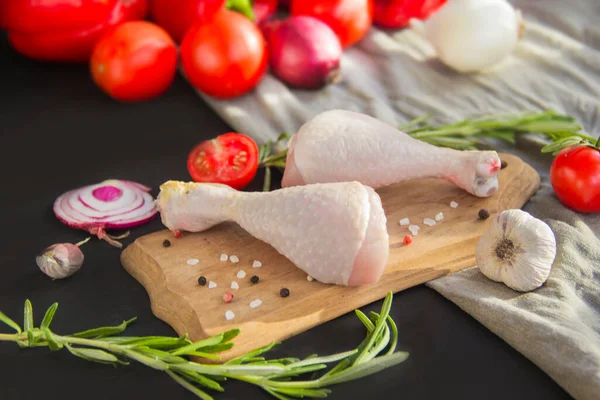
(472, 35)
(517, 250)
(61, 260)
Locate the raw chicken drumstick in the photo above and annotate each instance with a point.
(334, 232)
(339, 145)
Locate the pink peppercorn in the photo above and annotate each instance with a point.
(408, 239)
(228, 297)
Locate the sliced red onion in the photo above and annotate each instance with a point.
(112, 204)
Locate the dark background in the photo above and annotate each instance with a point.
(58, 132)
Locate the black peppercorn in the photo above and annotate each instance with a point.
(503, 164)
(166, 243)
(285, 292)
(202, 281)
(254, 279)
(484, 214)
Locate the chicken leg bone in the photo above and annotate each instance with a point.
(340, 145)
(335, 232)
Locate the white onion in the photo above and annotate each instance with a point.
(473, 35)
(112, 204)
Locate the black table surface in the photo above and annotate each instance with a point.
(60, 132)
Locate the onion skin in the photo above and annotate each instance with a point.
(304, 52)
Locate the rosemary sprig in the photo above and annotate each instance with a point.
(169, 354)
(268, 160)
(468, 134)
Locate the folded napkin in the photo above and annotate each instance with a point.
(395, 76)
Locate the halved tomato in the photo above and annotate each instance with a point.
(230, 159)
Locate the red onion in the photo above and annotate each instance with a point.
(304, 52)
(112, 204)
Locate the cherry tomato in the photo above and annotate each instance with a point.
(134, 61)
(349, 19)
(225, 56)
(177, 16)
(230, 159)
(575, 178)
(398, 13)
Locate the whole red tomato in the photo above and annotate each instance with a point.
(134, 61)
(349, 19)
(64, 30)
(575, 178)
(225, 56)
(230, 159)
(398, 13)
(176, 17)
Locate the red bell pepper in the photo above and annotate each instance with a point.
(64, 30)
(177, 16)
(394, 14)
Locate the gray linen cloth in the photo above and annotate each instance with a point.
(395, 76)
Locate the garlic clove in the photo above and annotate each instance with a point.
(61, 260)
(518, 250)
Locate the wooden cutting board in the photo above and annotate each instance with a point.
(446, 247)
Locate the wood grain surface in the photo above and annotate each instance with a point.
(178, 299)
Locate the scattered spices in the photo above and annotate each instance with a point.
(193, 261)
(309, 278)
(229, 315)
(503, 164)
(453, 204)
(234, 285)
(404, 221)
(177, 234)
(407, 240)
(61, 260)
(223, 257)
(212, 285)
(202, 281)
(484, 214)
(254, 279)
(228, 297)
(241, 274)
(256, 264)
(255, 303)
(429, 222)
(166, 243)
(285, 292)
(234, 259)
(439, 216)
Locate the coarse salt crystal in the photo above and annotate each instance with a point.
(212, 285)
(439, 216)
(414, 229)
(223, 257)
(193, 261)
(234, 259)
(234, 285)
(453, 204)
(429, 222)
(241, 274)
(229, 315)
(255, 303)
(404, 221)
(256, 264)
